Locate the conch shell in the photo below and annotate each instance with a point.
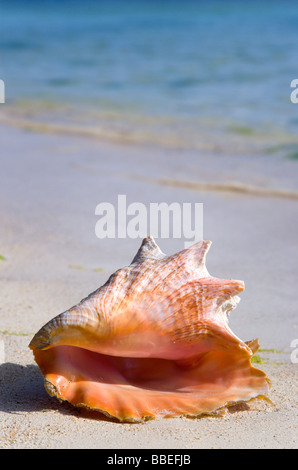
(153, 341)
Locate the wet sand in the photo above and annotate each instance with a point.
(49, 188)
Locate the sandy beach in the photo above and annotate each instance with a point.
(51, 258)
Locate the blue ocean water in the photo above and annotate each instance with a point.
(179, 70)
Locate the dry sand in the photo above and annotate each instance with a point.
(49, 188)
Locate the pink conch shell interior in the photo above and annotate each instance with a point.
(154, 341)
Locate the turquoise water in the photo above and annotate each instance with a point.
(163, 71)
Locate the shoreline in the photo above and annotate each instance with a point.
(206, 169)
(236, 188)
(164, 131)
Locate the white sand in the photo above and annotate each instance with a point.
(48, 194)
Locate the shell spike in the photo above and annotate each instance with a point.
(70, 327)
(195, 255)
(229, 288)
(148, 249)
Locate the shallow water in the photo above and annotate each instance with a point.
(194, 74)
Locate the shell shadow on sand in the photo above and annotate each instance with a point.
(22, 391)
